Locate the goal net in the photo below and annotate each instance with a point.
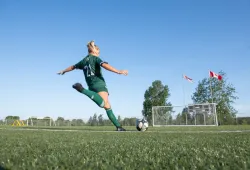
(36, 121)
(190, 115)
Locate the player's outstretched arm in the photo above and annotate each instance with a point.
(70, 68)
(112, 69)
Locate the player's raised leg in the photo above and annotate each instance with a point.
(92, 95)
(109, 111)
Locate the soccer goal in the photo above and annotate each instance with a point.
(36, 121)
(190, 115)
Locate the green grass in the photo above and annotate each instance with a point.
(159, 148)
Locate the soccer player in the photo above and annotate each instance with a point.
(97, 90)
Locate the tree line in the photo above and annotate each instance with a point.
(95, 120)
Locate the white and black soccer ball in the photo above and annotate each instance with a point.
(141, 124)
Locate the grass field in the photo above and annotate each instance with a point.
(223, 147)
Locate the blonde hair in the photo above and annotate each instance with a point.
(93, 49)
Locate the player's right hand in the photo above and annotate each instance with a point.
(124, 72)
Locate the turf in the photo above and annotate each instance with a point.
(159, 148)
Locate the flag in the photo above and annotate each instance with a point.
(187, 78)
(212, 74)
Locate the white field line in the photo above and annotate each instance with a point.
(92, 131)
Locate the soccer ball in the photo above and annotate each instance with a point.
(141, 124)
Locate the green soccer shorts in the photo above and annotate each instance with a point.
(98, 88)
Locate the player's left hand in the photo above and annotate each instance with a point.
(61, 73)
(124, 72)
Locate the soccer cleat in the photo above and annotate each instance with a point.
(78, 87)
(120, 129)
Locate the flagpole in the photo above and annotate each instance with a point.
(183, 90)
(211, 90)
(221, 91)
(184, 95)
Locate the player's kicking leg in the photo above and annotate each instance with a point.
(92, 95)
(101, 99)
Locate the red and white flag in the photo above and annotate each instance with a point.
(188, 79)
(212, 74)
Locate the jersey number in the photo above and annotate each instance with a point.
(89, 71)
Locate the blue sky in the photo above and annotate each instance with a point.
(154, 40)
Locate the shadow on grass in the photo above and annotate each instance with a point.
(2, 168)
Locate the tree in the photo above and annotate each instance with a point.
(128, 121)
(60, 119)
(16, 117)
(1, 122)
(100, 120)
(94, 120)
(90, 120)
(67, 122)
(12, 118)
(243, 120)
(79, 122)
(132, 121)
(119, 118)
(155, 95)
(223, 95)
(8, 117)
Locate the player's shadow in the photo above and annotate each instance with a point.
(2, 168)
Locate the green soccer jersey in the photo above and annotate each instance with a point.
(91, 66)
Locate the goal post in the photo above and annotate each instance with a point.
(190, 115)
